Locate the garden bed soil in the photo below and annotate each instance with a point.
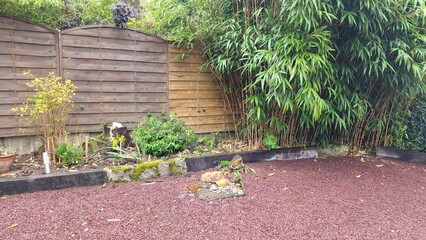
(336, 198)
(32, 164)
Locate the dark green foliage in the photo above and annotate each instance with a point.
(416, 130)
(270, 141)
(223, 163)
(69, 155)
(59, 14)
(306, 71)
(162, 136)
(121, 13)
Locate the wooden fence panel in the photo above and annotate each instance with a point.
(121, 75)
(23, 46)
(194, 96)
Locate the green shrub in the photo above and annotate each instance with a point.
(270, 141)
(416, 129)
(69, 155)
(223, 163)
(162, 136)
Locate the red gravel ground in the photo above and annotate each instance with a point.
(340, 198)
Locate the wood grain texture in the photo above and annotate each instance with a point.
(121, 74)
(23, 46)
(194, 96)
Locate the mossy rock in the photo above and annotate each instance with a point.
(146, 170)
(142, 167)
(177, 166)
(119, 173)
(121, 168)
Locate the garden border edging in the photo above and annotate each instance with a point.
(9, 186)
(203, 162)
(400, 154)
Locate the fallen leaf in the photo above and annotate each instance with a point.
(271, 174)
(362, 160)
(358, 176)
(12, 226)
(380, 165)
(114, 220)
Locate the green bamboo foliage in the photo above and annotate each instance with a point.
(307, 71)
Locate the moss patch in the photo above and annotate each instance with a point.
(119, 169)
(141, 167)
(173, 169)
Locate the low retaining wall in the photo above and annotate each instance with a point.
(200, 163)
(9, 186)
(403, 155)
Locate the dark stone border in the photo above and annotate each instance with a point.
(9, 186)
(203, 162)
(399, 154)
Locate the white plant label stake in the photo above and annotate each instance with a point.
(46, 162)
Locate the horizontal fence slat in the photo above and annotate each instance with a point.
(194, 95)
(96, 75)
(113, 33)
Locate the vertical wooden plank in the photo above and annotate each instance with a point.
(59, 53)
(168, 81)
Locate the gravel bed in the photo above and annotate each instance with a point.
(336, 198)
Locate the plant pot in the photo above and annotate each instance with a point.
(6, 162)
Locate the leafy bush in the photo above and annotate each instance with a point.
(416, 129)
(121, 13)
(223, 163)
(161, 137)
(60, 14)
(69, 155)
(48, 109)
(270, 141)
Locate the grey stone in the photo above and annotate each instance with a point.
(208, 194)
(163, 169)
(148, 174)
(181, 165)
(335, 151)
(115, 174)
(182, 195)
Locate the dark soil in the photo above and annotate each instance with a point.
(340, 198)
(30, 165)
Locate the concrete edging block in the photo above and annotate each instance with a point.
(400, 154)
(203, 162)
